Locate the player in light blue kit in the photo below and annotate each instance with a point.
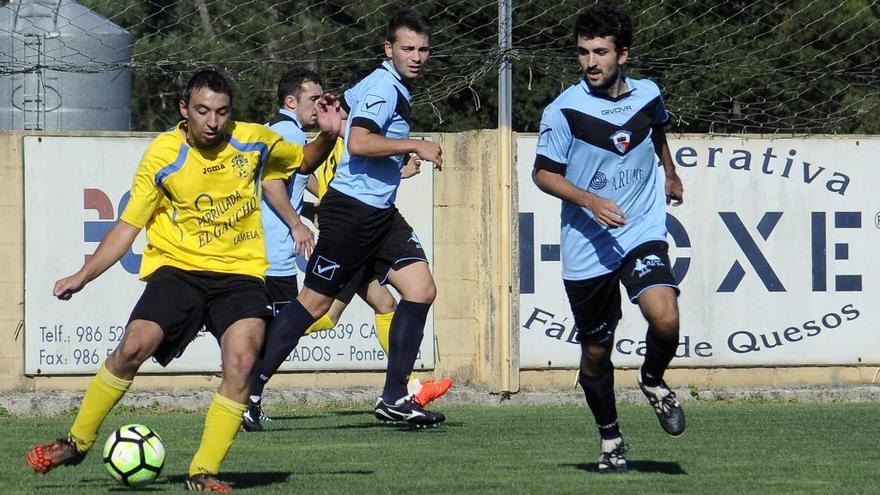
(600, 150)
(362, 229)
(286, 235)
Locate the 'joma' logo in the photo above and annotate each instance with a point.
(213, 168)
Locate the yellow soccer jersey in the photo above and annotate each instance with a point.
(327, 170)
(201, 208)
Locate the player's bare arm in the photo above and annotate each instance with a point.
(330, 124)
(276, 194)
(606, 211)
(363, 142)
(112, 248)
(674, 188)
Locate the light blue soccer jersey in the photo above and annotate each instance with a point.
(381, 103)
(280, 249)
(604, 147)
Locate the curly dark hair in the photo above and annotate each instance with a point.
(605, 20)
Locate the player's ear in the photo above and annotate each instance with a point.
(183, 111)
(388, 49)
(622, 55)
(290, 102)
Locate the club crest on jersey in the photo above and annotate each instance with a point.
(621, 140)
(239, 162)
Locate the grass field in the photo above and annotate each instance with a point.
(740, 448)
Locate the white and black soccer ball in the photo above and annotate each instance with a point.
(134, 455)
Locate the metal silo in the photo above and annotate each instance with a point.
(62, 67)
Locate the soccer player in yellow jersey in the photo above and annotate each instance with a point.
(197, 193)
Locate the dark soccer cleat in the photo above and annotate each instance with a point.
(406, 410)
(61, 452)
(253, 418)
(206, 483)
(613, 461)
(668, 410)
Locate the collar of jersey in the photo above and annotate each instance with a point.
(181, 134)
(291, 115)
(390, 68)
(586, 87)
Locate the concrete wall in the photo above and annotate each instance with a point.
(469, 253)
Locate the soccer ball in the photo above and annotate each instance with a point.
(134, 455)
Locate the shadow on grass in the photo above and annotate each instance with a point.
(371, 426)
(295, 417)
(352, 413)
(241, 480)
(636, 466)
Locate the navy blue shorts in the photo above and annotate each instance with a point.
(358, 242)
(595, 302)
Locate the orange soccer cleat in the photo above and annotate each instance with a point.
(46, 457)
(429, 390)
(206, 483)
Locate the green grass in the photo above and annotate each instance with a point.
(743, 448)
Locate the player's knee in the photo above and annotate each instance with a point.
(385, 305)
(665, 325)
(316, 304)
(131, 352)
(238, 365)
(425, 293)
(595, 360)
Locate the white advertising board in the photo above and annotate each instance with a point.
(75, 189)
(774, 247)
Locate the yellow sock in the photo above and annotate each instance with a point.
(383, 329)
(221, 425)
(323, 323)
(103, 392)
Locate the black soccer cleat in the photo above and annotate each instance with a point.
(613, 461)
(665, 405)
(253, 418)
(407, 411)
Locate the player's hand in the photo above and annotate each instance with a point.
(68, 286)
(430, 151)
(303, 240)
(413, 166)
(674, 190)
(329, 115)
(606, 211)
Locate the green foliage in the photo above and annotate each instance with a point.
(795, 66)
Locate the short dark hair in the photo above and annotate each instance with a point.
(292, 81)
(207, 78)
(605, 20)
(410, 19)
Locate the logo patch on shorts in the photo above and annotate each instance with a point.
(646, 264)
(325, 268)
(415, 240)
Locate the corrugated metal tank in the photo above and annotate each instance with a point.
(62, 68)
